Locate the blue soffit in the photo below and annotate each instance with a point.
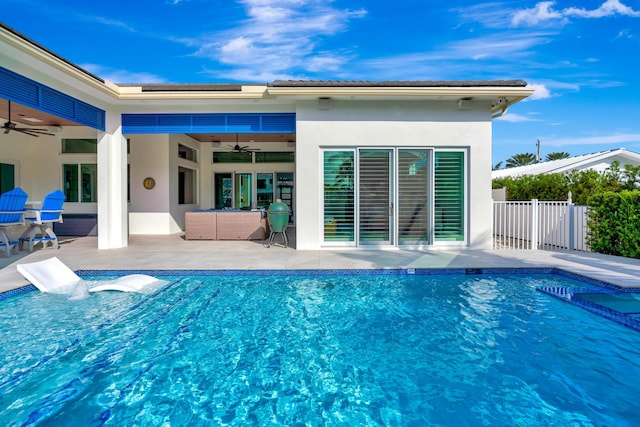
(30, 93)
(209, 123)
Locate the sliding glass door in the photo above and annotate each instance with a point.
(402, 197)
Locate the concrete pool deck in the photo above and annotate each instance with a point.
(173, 252)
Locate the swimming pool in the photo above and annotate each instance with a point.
(381, 348)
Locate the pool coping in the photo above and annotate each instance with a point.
(568, 295)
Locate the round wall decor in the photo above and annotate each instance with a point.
(149, 183)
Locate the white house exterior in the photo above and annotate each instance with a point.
(366, 164)
(599, 162)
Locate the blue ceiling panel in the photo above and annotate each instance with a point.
(209, 123)
(30, 93)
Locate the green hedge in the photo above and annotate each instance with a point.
(581, 184)
(614, 220)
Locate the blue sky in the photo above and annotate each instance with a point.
(581, 56)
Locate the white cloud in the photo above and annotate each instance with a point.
(121, 76)
(453, 58)
(615, 139)
(543, 12)
(110, 23)
(277, 37)
(516, 118)
(492, 15)
(608, 8)
(541, 91)
(625, 34)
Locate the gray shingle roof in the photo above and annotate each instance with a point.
(177, 87)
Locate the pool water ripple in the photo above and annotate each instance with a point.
(331, 350)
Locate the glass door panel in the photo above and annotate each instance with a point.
(89, 176)
(284, 190)
(264, 184)
(222, 185)
(449, 196)
(375, 203)
(413, 204)
(242, 191)
(339, 205)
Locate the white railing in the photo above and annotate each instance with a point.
(539, 225)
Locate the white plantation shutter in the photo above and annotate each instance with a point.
(413, 187)
(449, 196)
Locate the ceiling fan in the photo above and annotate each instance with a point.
(11, 126)
(244, 149)
(241, 149)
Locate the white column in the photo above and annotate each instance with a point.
(112, 184)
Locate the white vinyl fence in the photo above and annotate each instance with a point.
(539, 225)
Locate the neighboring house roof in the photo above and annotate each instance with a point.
(596, 161)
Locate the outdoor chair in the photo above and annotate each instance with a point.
(41, 221)
(11, 213)
(52, 275)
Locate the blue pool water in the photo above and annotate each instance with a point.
(366, 349)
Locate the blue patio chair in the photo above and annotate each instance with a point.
(41, 222)
(11, 213)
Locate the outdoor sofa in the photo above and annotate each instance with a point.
(226, 224)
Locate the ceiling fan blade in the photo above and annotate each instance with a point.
(38, 131)
(26, 132)
(9, 126)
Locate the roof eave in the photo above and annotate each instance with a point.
(510, 94)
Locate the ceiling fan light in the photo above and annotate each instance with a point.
(31, 119)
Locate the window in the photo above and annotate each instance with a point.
(84, 146)
(186, 186)
(187, 153)
(244, 157)
(7, 177)
(449, 196)
(254, 157)
(81, 182)
(79, 146)
(274, 157)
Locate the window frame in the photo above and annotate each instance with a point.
(80, 183)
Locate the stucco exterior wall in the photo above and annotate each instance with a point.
(149, 210)
(392, 124)
(39, 163)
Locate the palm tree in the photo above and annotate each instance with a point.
(557, 156)
(497, 166)
(521, 159)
